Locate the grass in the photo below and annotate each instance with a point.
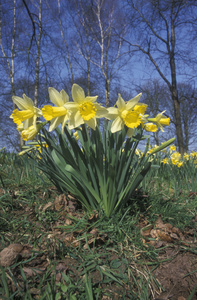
(69, 254)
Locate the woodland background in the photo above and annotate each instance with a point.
(107, 47)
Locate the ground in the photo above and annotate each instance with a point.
(56, 242)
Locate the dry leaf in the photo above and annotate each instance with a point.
(94, 231)
(60, 202)
(94, 216)
(10, 254)
(145, 231)
(49, 204)
(30, 272)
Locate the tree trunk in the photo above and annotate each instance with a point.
(38, 56)
(178, 123)
(174, 91)
(107, 91)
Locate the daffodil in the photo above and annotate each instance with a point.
(20, 127)
(160, 120)
(172, 148)
(84, 109)
(186, 156)
(150, 127)
(128, 113)
(27, 114)
(175, 158)
(164, 161)
(179, 164)
(56, 114)
(31, 132)
(193, 154)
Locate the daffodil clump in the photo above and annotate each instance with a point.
(83, 110)
(101, 168)
(174, 158)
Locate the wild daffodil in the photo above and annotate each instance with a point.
(56, 114)
(128, 113)
(31, 132)
(160, 120)
(27, 114)
(84, 109)
(150, 127)
(172, 148)
(175, 158)
(164, 161)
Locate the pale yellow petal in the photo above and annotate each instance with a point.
(27, 123)
(92, 123)
(100, 111)
(117, 125)
(28, 101)
(75, 120)
(65, 119)
(130, 132)
(113, 113)
(64, 96)
(77, 93)
(120, 103)
(55, 97)
(91, 99)
(54, 123)
(131, 103)
(159, 116)
(23, 104)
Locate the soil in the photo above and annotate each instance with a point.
(175, 268)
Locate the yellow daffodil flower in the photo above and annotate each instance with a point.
(175, 158)
(32, 131)
(193, 154)
(128, 113)
(29, 133)
(20, 127)
(164, 161)
(172, 148)
(150, 127)
(160, 121)
(179, 164)
(186, 156)
(59, 114)
(27, 114)
(84, 109)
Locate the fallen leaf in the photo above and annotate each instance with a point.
(60, 202)
(30, 272)
(49, 204)
(10, 254)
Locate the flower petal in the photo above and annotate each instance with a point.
(117, 125)
(75, 120)
(54, 123)
(100, 111)
(27, 123)
(64, 96)
(92, 123)
(55, 97)
(120, 103)
(113, 113)
(23, 103)
(130, 132)
(131, 103)
(65, 119)
(91, 99)
(71, 106)
(77, 93)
